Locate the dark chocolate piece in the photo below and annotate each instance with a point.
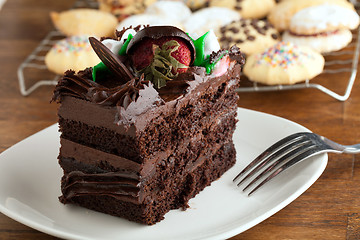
(111, 60)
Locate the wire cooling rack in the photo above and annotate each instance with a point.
(34, 65)
(336, 64)
(340, 63)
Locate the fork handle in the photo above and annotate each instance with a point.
(352, 149)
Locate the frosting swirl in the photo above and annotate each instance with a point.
(131, 99)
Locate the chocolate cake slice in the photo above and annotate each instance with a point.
(149, 127)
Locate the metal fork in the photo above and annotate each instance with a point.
(286, 153)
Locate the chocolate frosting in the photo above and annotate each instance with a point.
(113, 184)
(131, 99)
(136, 96)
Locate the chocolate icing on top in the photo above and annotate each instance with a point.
(140, 96)
(136, 96)
(131, 99)
(156, 32)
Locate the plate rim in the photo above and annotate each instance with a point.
(235, 230)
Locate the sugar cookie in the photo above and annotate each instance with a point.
(84, 22)
(175, 10)
(209, 18)
(284, 63)
(250, 35)
(73, 53)
(124, 8)
(321, 42)
(246, 8)
(160, 13)
(280, 16)
(323, 18)
(324, 28)
(148, 19)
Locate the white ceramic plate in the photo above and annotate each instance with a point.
(30, 186)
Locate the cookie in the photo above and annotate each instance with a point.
(206, 19)
(324, 27)
(284, 63)
(84, 22)
(321, 42)
(246, 8)
(280, 16)
(73, 53)
(148, 19)
(250, 35)
(124, 8)
(160, 13)
(175, 10)
(196, 4)
(323, 18)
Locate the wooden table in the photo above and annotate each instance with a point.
(330, 209)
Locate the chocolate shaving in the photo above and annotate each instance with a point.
(119, 34)
(215, 56)
(235, 54)
(72, 85)
(111, 60)
(120, 96)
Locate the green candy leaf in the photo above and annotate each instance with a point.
(122, 50)
(202, 60)
(99, 69)
(200, 48)
(210, 66)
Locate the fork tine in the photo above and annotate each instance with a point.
(289, 156)
(299, 141)
(270, 150)
(314, 149)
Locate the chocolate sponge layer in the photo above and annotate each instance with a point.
(174, 193)
(156, 162)
(163, 132)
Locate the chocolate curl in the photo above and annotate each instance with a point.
(73, 85)
(236, 54)
(111, 60)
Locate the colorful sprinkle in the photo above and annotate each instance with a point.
(283, 54)
(73, 44)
